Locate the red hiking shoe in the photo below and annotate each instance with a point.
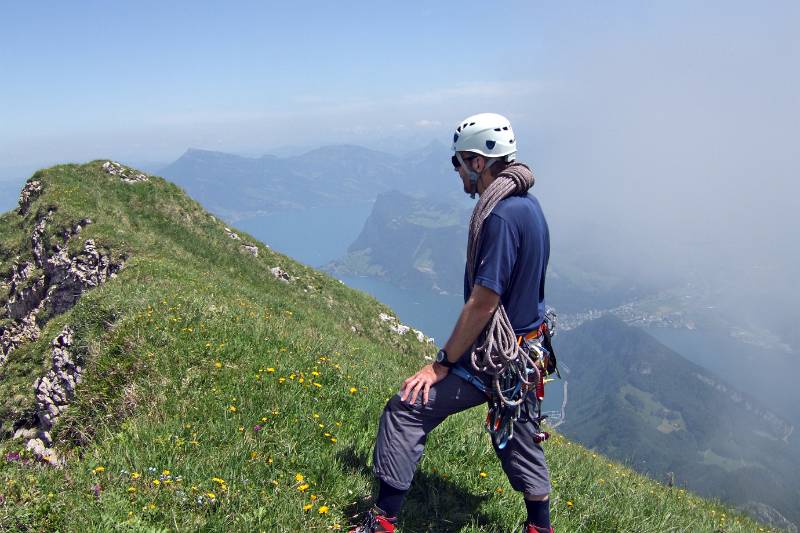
(530, 528)
(375, 522)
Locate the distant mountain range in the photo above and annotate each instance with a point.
(236, 187)
(421, 243)
(636, 400)
(410, 242)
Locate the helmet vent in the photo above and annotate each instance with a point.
(498, 129)
(455, 137)
(511, 141)
(490, 145)
(504, 129)
(471, 123)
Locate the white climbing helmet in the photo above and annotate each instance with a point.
(487, 134)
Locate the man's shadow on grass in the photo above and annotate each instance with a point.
(434, 503)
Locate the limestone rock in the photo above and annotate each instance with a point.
(127, 175)
(232, 235)
(401, 329)
(251, 249)
(55, 390)
(281, 274)
(29, 193)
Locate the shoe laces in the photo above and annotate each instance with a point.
(375, 521)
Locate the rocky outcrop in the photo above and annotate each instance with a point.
(127, 175)
(17, 333)
(69, 277)
(54, 392)
(252, 249)
(232, 235)
(401, 329)
(29, 193)
(281, 274)
(47, 286)
(51, 284)
(37, 238)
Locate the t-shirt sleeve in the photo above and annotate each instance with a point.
(497, 255)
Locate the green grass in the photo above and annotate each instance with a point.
(206, 375)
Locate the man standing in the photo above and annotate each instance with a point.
(507, 257)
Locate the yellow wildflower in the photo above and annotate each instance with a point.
(131, 489)
(307, 507)
(99, 470)
(317, 385)
(569, 504)
(299, 477)
(156, 482)
(353, 390)
(218, 364)
(313, 497)
(135, 475)
(165, 473)
(304, 487)
(483, 474)
(232, 408)
(211, 495)
(270, 370)
(323, 509)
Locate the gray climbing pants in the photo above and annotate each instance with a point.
(404, 429)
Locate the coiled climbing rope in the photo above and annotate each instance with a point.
(497, 353)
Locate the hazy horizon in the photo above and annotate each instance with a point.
(662, 135)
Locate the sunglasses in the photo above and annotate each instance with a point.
(457, 163)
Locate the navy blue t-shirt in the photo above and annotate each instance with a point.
(512, 260)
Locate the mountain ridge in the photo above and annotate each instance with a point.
(636, 400)
(222, 389)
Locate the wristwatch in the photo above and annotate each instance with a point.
(441, 358)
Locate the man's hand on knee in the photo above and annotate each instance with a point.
(422, 381)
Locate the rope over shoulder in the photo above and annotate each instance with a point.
(496, 352)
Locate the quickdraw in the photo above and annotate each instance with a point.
(515, 396)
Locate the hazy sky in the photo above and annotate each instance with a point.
(675, 123)
(148, 79)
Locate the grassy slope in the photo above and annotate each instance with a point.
(196, 343)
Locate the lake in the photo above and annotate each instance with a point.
(317, 236)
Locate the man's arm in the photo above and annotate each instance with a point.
(475, 314)
(474, 317)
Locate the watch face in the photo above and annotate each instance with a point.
(441, 356)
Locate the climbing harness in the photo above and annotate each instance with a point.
(519, 400)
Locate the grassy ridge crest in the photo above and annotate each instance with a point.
(218, 397)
